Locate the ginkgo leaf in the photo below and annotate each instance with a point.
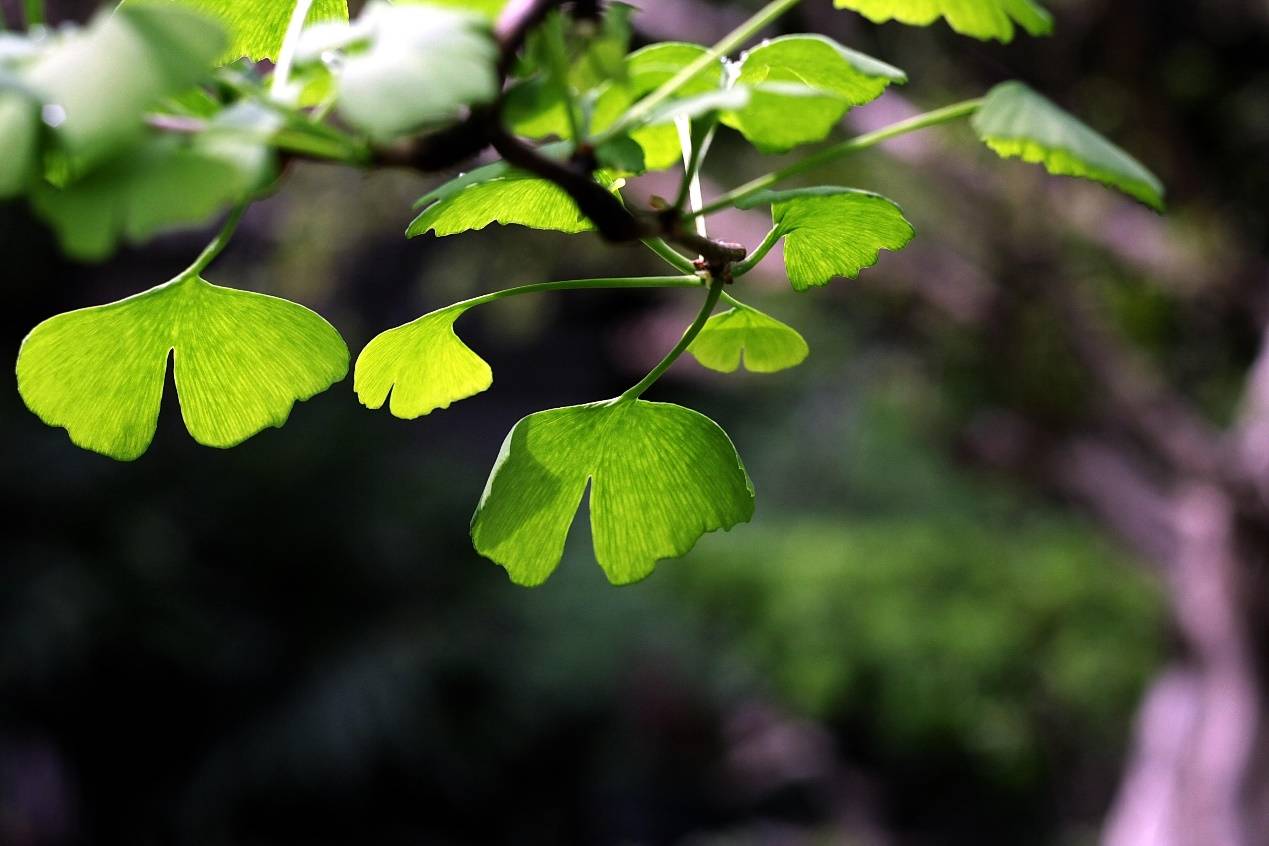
(803, 85)
(94, 101)
(1017, 122)
(241, 360)
(831, 231)
(646, 69)
(983, 19)
(256, 27)
(512, 198)
(660, 477)
(485, 8)
(424, 365)
(767, 345)
(410, 68)
(162, 182)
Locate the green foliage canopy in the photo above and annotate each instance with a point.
(127, 127)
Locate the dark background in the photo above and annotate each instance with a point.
(293, 642)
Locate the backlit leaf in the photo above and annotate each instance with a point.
(95, 99)
(984, 19)
(423, 364)
(660, 477)
(831, 231)
(485, 8)
(803, 85)
(411, 68)
(512, 198)
(646, 70)
(767, 345)
(241, 361)
(1017, 122)
(162, 182)
(256, 27)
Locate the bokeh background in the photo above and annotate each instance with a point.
(926, 636)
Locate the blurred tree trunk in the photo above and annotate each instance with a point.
(1195, 776)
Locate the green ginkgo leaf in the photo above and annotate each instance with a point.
(256, 27)
(1017, 122)
(983, 19)
(240, 361)
(830, 231)
(485, 8)
(409, 68)
(803, 85)
(94, 101)
(766, 344)
(513, 197)
(423, 364)
(647, 69)
(660, 477)
(162, 182)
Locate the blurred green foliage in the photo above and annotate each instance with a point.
(938, 611)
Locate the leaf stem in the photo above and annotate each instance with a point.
(671, 256)
(641, 110)
(286, 56)
(715, 291)
(760, 252)
(693, 158)
(216, 245)
(861, 142)
(586, 284)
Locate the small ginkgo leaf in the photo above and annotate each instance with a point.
(646, 69)
(161, 183)
(1017, 122)
(409, 68)
(830, 231)
(660, 477)
(241, 360)
(94, 101)
(803, 85)
(423, 364)
(982, 19)
(485, 8)
(767, 345)
(256, 27)
(514, 197)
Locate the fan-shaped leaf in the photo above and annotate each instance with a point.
(256, 27)
(512, 198)
(646, 69)
(241, 361)
(803, 85)
(660, 475)
(160, 183)
(94, 100)
(424, 365)
(982, 19)
(831, 231)
(409, 68)
(1017, 122)
(767, 345)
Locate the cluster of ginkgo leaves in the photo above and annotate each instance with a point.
(154, 115)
